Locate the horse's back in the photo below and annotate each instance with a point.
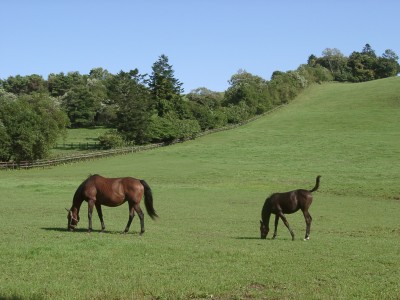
(110, 191)
(133, 187)
(105, 191)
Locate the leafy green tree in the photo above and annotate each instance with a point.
(105, 112)
(20, 85)
(16, 85)
(315, 74)
(250, 89)
(387, 65)
(238, 113)
(336, 62)
(390, 54)
(205, 106)
(285, 86)
(81, 106)
(60, 84)
(99, 74)
(362, 66)
(133, 100)
(5, 138)
(168, 129)
(31, 125)
(5, 143)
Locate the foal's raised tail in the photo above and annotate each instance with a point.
(316, 184)
(148, 200)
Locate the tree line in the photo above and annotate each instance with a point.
(141, 108)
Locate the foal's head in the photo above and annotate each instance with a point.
(263, 230)
(72, 220)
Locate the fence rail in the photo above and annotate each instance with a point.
(80, 146)
(73, 158)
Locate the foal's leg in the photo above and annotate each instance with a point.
(276, 226)
(282, 216)
(308, 219)
(141, 217)
(100, 213)
(131, 215)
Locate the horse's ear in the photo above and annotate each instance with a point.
(261, 222)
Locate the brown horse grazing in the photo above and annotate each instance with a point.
(287, 203)
(98, 191)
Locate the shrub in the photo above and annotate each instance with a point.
(111, 139)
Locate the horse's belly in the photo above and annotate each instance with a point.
(111, 202)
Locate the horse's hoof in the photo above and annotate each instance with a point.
(306, 239)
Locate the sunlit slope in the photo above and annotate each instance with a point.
(348, 133)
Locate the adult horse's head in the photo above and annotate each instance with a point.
(72, 220)
(263, 230)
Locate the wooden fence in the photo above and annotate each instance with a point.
(42, 163)
(79, 146)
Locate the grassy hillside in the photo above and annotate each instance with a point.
(209, 193)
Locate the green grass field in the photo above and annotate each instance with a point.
(209, 193)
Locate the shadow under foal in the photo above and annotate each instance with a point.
(287, 203)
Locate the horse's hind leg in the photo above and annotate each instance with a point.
(100, 213)
(282, 216)
(308, 220)
(141, 217)
(131, 215)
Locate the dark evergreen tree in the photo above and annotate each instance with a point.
(166, 89)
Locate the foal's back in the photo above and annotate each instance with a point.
(290, 202)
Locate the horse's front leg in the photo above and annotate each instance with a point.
(90, 213)
(100, 213)
(276, 226)
(131, 215)
(282, 216)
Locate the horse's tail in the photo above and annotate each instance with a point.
(148, 200)
(316, 184)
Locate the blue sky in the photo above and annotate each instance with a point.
(206, 41)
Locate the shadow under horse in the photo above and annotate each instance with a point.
(287, 203)
(112, 192)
